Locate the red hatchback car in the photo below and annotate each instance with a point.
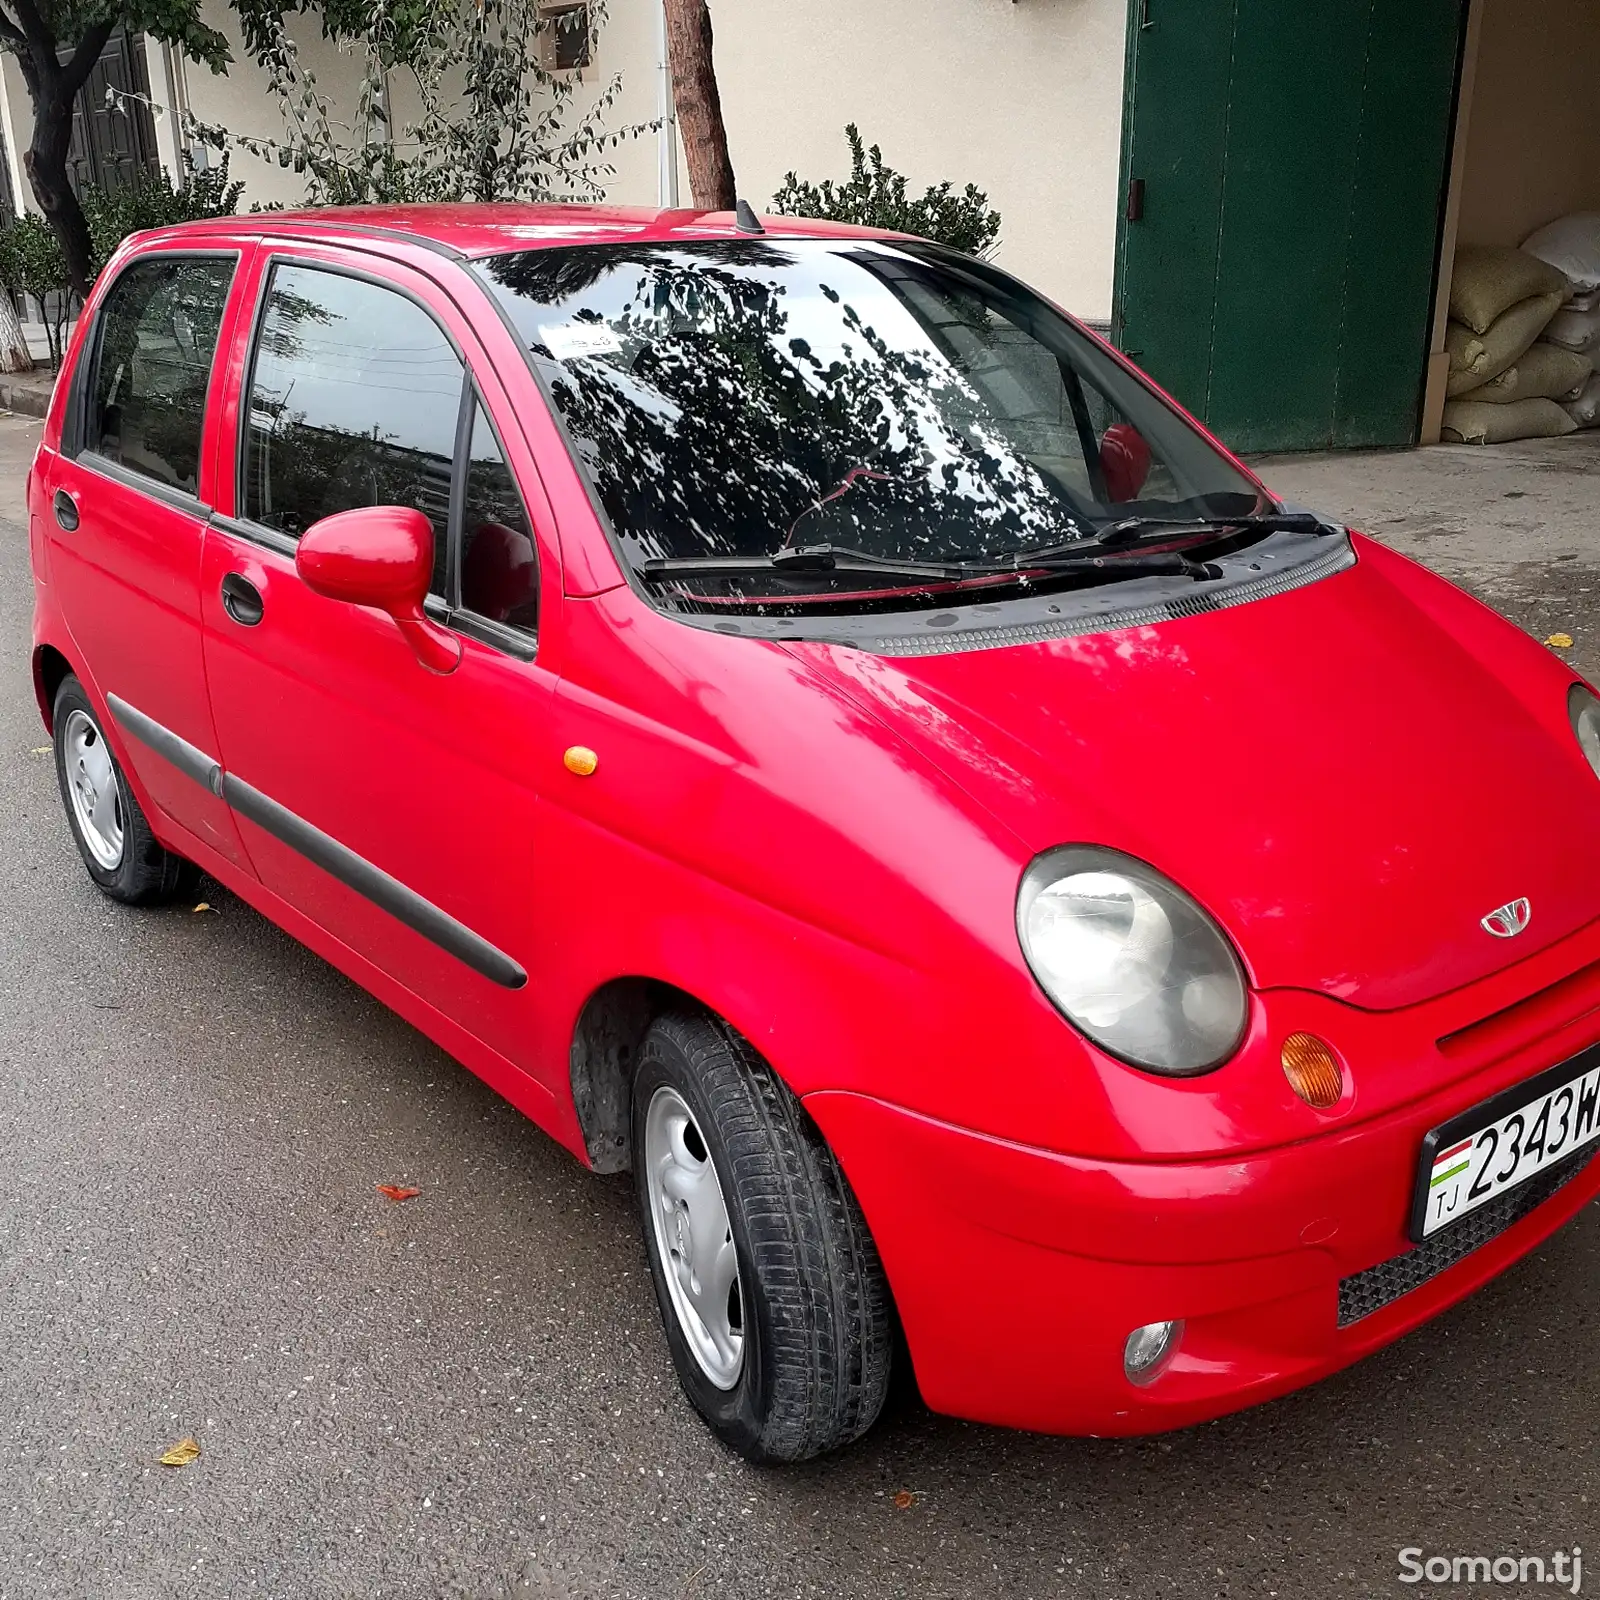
(813, 726)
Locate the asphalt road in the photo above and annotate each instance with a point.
(467, 1395)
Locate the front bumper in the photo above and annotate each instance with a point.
(1019, 1273)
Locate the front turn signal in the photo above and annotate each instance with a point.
(1313, 1070)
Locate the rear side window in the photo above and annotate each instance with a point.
(157, 337)
(354, 401)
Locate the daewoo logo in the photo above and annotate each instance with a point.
(1506, 922)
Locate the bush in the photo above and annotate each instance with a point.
(31, 259)
(32, 263)
(876, 196)
(152, 202)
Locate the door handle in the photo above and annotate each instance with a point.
(242, 600)
(66, 510)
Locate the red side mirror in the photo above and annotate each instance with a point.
(1125, 461)
(380, 556)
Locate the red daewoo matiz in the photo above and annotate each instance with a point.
(814, 727)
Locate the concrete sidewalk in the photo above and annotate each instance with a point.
(1517, 524)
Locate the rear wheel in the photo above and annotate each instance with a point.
(771, 1291)
(123, 856)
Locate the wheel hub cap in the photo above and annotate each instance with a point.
(92, 789)
(693, 1238)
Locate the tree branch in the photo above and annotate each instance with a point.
(36, 30)
(76, 72)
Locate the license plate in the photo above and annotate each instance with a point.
(1485, 1152)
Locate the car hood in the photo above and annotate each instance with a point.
(1350, 776)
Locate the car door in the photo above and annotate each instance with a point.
(391, 803)
(127, 516)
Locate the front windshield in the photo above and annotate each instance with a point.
(753, 398)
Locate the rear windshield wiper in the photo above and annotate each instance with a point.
(822, 559)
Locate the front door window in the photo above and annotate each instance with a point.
(354, 400)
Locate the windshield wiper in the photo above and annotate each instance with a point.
(804, 559)
(822, 559)
(1264, 522)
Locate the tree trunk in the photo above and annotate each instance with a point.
(699, 106)
(45, 162)
(14, 355)
(53, 87)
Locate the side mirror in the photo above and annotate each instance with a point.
(380, 556)
(1125, 461)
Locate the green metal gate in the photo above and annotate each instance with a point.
(1284, 168)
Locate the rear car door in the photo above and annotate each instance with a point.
(127, 515)
(361, 384)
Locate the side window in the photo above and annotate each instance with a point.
(499, 559)
(157, 335)
(354, 397)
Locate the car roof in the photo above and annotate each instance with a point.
(482, 230)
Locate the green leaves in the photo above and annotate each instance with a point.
(113, 214)
(494, 123)
(33, 262)
(176, 22)
(876, 196)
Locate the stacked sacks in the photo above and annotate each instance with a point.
(1572, 247)
(1505, 380)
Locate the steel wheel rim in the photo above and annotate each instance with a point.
(93, 791)
(694, 1241)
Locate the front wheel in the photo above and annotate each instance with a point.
(771, 1292)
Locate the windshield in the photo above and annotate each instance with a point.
(753, 398)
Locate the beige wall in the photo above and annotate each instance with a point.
(1021, 97)
(1024, 99)
(1533, 142)
(17, 110)
(239, 102)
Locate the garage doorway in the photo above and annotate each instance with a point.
(1284, 172)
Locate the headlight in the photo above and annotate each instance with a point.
(1131, 960)
(1585, 711)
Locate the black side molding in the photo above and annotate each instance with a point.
(190, 761)
(355, 872)
(389, 894)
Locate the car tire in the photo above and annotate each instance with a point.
(112, 834)
(809, 1304)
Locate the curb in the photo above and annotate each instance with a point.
(25, 399)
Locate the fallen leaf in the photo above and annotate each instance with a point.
(205, 905)
(904, 1500)
(393, 1191)
(1560, 641)
(40, 750)
(181, 1454)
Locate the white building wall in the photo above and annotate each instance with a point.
(1021, 97)
(17, 110)
(239, 101)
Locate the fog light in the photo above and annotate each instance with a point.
(1149, 1349)
(1313, 1070)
